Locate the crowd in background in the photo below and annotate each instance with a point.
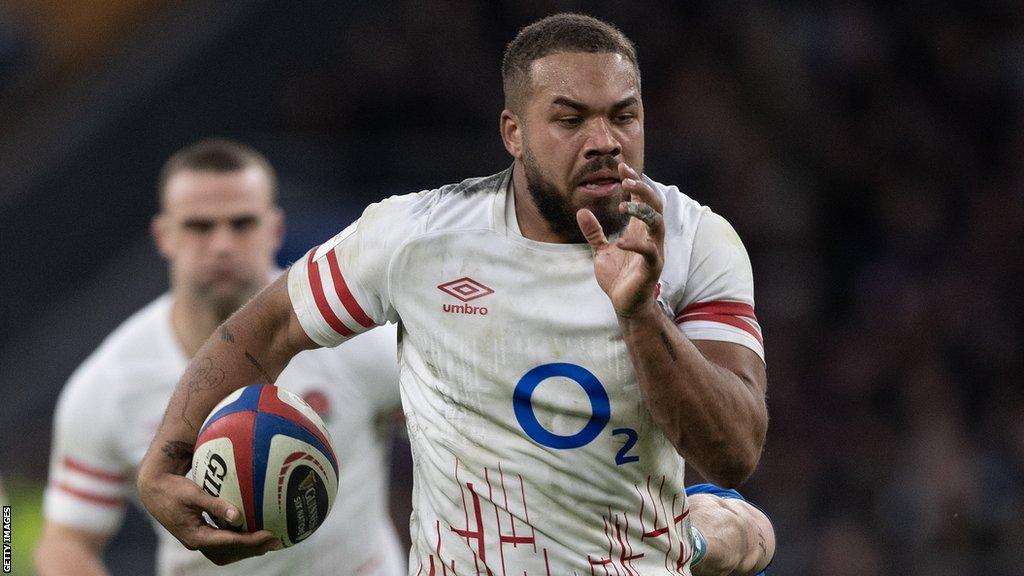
(871, 156)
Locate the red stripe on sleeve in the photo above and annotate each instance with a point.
(89, 497)
(724, 319)
(317, 287)
(345, 294)
(72, 464)
(719, 307)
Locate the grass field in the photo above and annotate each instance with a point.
(25, 498)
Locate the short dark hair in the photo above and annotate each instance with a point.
(216, 155)
(564, 32)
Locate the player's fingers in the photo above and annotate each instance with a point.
(651, 223)
(227, 543)
(650, 217)
(215, 507)
(643, 212)
(641, 245)
(591, 228)
(644, 248)
(222, 554)
(639, 190)
(644, 242)
(217, 538)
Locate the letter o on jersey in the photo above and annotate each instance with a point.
(523, 405)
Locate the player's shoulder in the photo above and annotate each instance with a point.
(681, 212)
(689, 221)
(139, 344)
(461, 205)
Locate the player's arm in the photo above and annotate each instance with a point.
(739, 538)
(69, 551)
(707, 397)
(253, 346)
(88, 480)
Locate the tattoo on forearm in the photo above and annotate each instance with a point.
(252, 360)
(202, 376)
(761, 544)
(226, 335)
(668, 345)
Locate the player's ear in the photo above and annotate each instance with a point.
(159, 229)
(512, 133)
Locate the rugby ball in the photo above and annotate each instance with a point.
(267, 452)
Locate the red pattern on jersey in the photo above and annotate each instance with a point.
(93, 472)
(656, 531)
(88, 496)
(618, 558)
(616, 531)
(720, 307)
(513, 539)
(723, 312)
(344, 294)
(478, 533)
(317, 287)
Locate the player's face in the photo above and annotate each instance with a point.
(219, 231)
(583, 117)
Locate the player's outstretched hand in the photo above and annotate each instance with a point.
(628, 269)
(178, 504)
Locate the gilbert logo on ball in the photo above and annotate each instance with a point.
(267, 452)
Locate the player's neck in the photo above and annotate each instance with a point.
(192, 323)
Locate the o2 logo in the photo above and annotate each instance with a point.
(600, 410)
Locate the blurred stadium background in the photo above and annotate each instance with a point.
(871, 155)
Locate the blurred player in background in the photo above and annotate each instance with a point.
(219, 228)
(553, 379)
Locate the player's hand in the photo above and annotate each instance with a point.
(629, 268)
(178, 504)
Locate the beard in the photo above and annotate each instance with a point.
(557, 208)
(225, 300)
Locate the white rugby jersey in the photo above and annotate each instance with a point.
(111, 408)
(534, 453)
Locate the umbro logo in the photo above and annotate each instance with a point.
(465, 289)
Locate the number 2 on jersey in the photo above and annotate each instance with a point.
(621, 457)
(600, 410)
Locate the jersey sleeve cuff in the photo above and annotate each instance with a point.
(706, 330)
(102, 514)
(305, 308)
